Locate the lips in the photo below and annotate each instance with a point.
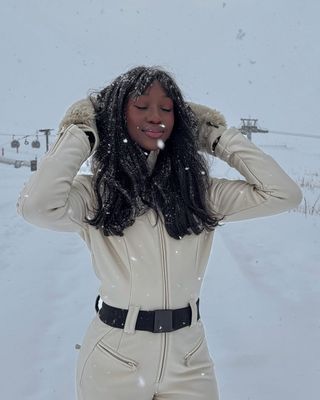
(152, 133)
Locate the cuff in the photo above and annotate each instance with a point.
(92, 136)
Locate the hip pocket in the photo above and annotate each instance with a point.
(192, 352)
(109, 352)
(199, 355)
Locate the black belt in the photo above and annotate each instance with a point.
(156, 321)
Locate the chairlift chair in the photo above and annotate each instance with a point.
(15, 144)
(35, 143)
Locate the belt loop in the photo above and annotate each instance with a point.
(130, 324)
(194, 312)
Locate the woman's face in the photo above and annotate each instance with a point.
(150, 117)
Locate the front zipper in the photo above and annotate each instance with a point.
(126, 361)
(166, 302)
(164, 263)
(192, 352)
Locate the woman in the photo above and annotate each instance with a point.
(148, 214)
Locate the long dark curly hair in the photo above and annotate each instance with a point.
(177, 187)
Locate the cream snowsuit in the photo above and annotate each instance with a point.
(146, 268)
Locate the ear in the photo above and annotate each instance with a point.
(207, 116)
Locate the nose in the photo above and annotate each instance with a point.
(154, 116)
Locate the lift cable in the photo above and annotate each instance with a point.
(307, 135)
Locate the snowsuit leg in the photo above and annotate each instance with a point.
(189, 374)
(115, 365)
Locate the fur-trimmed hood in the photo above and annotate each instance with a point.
(211, 124)
(79, 113)
(207, 116)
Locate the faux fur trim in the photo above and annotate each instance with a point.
(208, 115)
(80, 113)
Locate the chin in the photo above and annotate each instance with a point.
(152, 148)
(149, 146)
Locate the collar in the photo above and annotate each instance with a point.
(152, 159)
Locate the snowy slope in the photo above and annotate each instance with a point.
(259, 302)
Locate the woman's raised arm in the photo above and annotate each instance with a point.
(266, 190)
(54, 197)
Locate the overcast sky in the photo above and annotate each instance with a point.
(245, 58)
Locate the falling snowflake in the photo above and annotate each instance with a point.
(141, 381)
(241, 34)
(160, 144)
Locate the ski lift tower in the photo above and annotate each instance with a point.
(249, 126)
(46, 132)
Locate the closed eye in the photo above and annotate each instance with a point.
(145, 107)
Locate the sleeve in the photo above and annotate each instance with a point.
(266, 190)
(55, 197)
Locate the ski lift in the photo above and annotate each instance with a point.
(15, 144)
(35, 143)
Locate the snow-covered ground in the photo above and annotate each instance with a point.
(260, 300)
